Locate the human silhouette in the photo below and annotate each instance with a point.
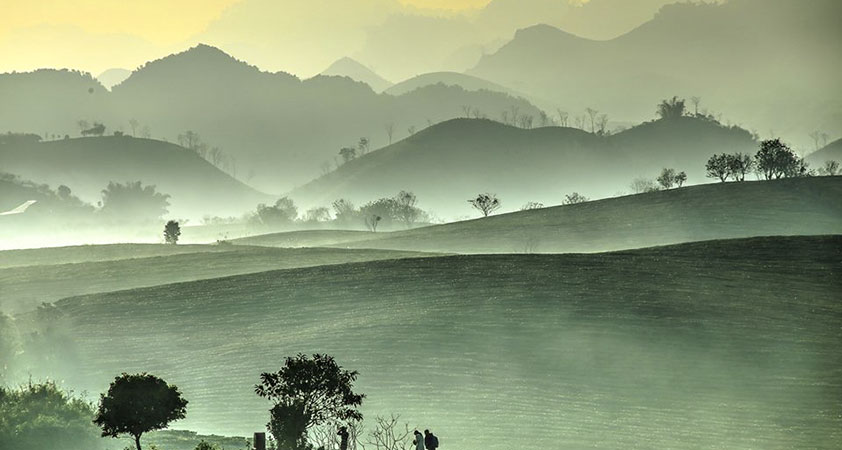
(430, 440)
(419, 440)
(343, 438)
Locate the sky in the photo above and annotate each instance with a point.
(298, 36)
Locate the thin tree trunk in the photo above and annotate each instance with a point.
(137, 441)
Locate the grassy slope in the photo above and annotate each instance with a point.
(729, 344)
(309, 238)
(86, 165)
(713, 211)
(92, 253)
(24, 288)
(450, 162)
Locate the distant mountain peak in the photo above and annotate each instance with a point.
(355, 70)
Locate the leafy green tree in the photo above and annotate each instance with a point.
(486, 203)
(172, 231)
(42, 416)
(136, 404)
(671, 109)
(308, 392)
(133, 201)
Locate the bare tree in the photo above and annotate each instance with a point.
(696, 102)
(372, 221)
(466, 110)
(592, 114)
(514, 112)
(486, 203)
(531, 205)
(580, 122)
(526, 121)
(602, 125)
(390, 131)
(406, 210)
(562, 118)
(189, 139)
(830, 168)
(134, 124)
(389, 435)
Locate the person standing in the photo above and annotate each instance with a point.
(343, 438)
(430, 440)
(419, 440)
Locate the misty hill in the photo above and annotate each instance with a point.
(87, 165)
(113, 77)
(467, 82)
(802, 206)
(733, 69)
(24, 288)
(347, 67)
(450, 162)
(675, 341)
(830, 152)
(277, 130)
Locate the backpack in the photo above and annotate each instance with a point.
(435, 441)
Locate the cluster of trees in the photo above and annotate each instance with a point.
(387, 211)
(212, 154)
(774, 160)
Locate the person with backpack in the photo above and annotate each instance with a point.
(419, 441)
(430, 440)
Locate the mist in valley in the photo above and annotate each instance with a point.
(325, 225)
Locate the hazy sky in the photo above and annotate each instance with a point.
(298, 36)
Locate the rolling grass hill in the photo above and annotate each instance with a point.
(311, 238)
(87, 165)
(24, 288)
(713, 211)
(96, 253)
(448, 163)
(729, 344)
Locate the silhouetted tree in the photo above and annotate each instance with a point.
(671, 109)
(485, 203)
(531, 205)
(830, 168)
(696, 102)
(602, 125)
(97, 130)
(372, 221)
(739, 165)
(308, 392)
(380, 210)
(592, 115)
(405, 209)
(574, 198)
(680, 178)
(189, 139)
(389, 435)
(390, 131)
(63, 192)
(318, 214)
(133, 201)
(776, 160)
(283, 212)
(136, 404)
(347, 153)
(562, 118)
(643, 185)
(134, 124)
(667, 178)
(344, 210)
(172, 231)
(718, 166)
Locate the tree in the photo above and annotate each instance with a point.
(485, 203)
(83, 125)
(776, 160)
(696, 102)
(39, 416)
(388, 435)
(592, 115)
(134, 124)
(63, 192)
(206, 446)
(405, 209)
(283, 212)
(575, 198)
(830, 168)
(531, 205)
(718, 166)
(133, 201)
(347, 153)
(667, 178)
(671, 109)
(562, 117)
(308, 392)
(172, 231)
(344, 210)
(362, 145)
(372, 221)
(680, 178)
(189, 139)
(602, 125)
(643, 185)
(739, 165)
(97, 130)
(318, 214)
(390, 131)
(136, 404)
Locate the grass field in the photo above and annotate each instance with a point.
(805, 206)
(26, 287)
(728, 344)
(309, 238)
